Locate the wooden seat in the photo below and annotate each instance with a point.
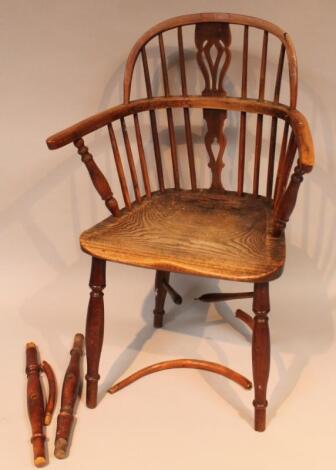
(223, 236)
(205, 162)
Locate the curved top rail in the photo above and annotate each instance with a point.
(99, 120)
(230, 18)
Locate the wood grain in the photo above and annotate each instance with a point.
(70, 392)
(217, 235)
(35, 405)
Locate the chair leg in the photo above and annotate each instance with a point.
(94, 329)
(260, 353)
(160, 297)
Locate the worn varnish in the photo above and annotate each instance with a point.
(171, 222)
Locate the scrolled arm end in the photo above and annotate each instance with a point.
(304, 140)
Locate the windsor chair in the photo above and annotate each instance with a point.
(175, 220)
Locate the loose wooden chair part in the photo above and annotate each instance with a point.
(173, 223)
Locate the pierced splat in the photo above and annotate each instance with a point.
(213, 42)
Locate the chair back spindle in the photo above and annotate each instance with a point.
(119, 166)
(142, 157)
(187, 125)
(242, 134)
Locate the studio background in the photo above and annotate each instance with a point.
(63, 61)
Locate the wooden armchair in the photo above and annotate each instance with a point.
(170, 218)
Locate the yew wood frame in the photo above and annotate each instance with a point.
(215, 104)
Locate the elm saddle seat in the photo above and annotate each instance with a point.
(215, 235)
(165, 217)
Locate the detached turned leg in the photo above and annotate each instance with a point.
(260, 353)
(160, 297)
(94, 329)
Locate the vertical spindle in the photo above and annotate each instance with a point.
(164, 66)
(274, 125)
(190, 148)
(119, 166)
(171, 129)
(242, 135)
(130, 160)
(260, 116)
(142, 158)
(263, 67)
(245, 62)
(156, 144)
(281, 160)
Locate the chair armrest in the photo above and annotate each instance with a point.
(285, 204)
(91, 124)
(86, 126)
(303, 139)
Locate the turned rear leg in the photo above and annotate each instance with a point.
(94, 330)
(160, 297)
(260, 353)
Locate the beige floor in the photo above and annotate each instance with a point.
(180, 418)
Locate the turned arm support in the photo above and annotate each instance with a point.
(304, 144)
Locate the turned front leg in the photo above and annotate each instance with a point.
(260, 353)
(94, 329)
(160, 297)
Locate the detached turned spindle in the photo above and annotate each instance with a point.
(70, 392)
(152, 116)
(39, 415)
(35, 405)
